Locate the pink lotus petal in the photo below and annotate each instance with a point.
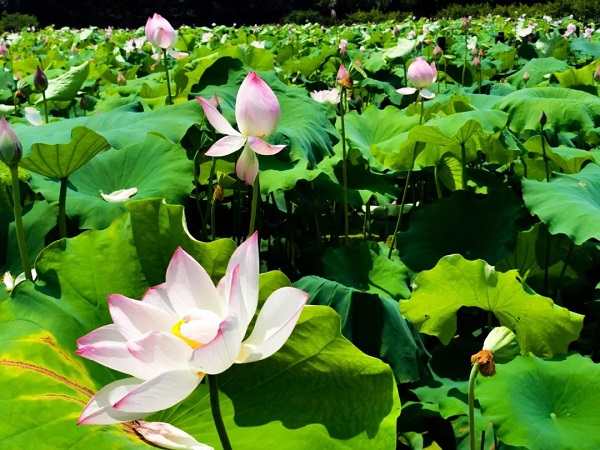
(274, 324)
(257, 109)
(134, 318)
(406, 91)
(226, 146)
(166, 435)
(263, 148)
(158, 393)
(99, 410)
(159, 32)
(190, 287)
(160, 352)
(177, 54)
(159, 296)
(114, 355)
(106, 333)
(427, 94)
(216, 119)
(247, 258)
(246, 166)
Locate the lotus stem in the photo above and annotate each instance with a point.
(402, 202)
(62, 206)
(547, 169)
(472, 378)
(46, 106)
(209, 198)
(169, 98)
(343, 104)
(254, 206)
(548, 243)
(463, 154)
(564, 269)
(465, 61)
(215, 408)
(16, 193)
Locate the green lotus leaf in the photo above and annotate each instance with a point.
(154, 166)
(65, 87)
(256, 58)
(402, 50)
(374, 324)
(61, 160)
(566, 159)
(537, 69)
(568, 203)
(585, 49)
(566, 109)
(541, 405)
(542, 327)
(475, 228)
(308, 65)
(581, 79)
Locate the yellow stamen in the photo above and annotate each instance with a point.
(176, 330)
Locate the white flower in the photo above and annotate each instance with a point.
(119, 196)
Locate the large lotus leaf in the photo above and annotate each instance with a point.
(154, 166)
(366, 267)
(374, 126)
(120, 127)
(568, 204)
(544, 405)
(374, 324)
(566, 109)
(65, 87)
(276, 174)
(585, 49)
(542, 327)
(256, 58)
(397, 153)
(475, 228)
(303, 125)
(62, 159)
(402, 50)
(458, 128)
(582, 79)
(537, 70)
(567, 159)
(308, 65)
(318, 391)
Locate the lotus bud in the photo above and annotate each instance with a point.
(464, 24)
(474, 51)
(121, 80)
(476, 63)
(543, 119)
(343, 78)
(40, 80)
(333, 14)
(84, 103)
(526, 77)
(437, 52)
(3, 50)
(597, 74)
(11, 149)
(500, 346)
(165, 435)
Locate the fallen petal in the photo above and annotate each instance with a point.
(119, 196)
(166, 435)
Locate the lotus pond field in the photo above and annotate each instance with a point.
(374, 236)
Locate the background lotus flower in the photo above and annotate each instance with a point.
(160, 33)
(422, 75)
(11, 149)
(183, 329)
(332, 96)
(257, 114)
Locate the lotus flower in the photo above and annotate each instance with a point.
(257, 114)
(332, 96)
(11, 149)
(160, 33)
(183, 329)
(166, 435)
(422, 75)
(571, 28)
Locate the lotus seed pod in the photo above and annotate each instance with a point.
(503, 344)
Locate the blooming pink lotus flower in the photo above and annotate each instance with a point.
(422, 75)
(332, 96)
(160, 33)
(571, 28)
(183, 329)
(257, 114)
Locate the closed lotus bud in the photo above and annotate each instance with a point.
(437, 52)
(11, 149)
(343, 78)
(476, 63)
(84, 103)
(597, 74)
(121, 80)
(40, 80)
(464, 23)
(543, 119)
(526, 76)
(3, 50)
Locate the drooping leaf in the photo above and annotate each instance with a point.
(542, 327)
(65, 87)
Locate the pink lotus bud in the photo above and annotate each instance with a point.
(526, 76)
(160, 33)
(543, 119)
(121, 80)
(571, 28)
(421, 74)
(474, 51)
(11, 149)
(437, 52)
(342, 46)
(476, 63)
(597, 74)
(40, 80)
(464, 23)
(343, 78)
(84, 103)
(3, 50)
(411, 34)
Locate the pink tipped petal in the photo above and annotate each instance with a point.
(257, 109)
(219, 354)
(226, 145)
(190, 286)
(177, 55)
(159, 32)
(160, 353)
(159, 296)
(114, 355)
(406, 91)
(105, 333)
(159, 393)
(99, 410)
(427, 94)
(274, 325)
(216, 119)
(246, 166)
(246, 257)
(166, 435)
(134, 318)
(262, 148)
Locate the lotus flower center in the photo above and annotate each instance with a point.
(197, 327)
(177, 332)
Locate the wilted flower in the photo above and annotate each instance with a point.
(183, 329)
(500, 346)
(11, 149)
(257, 114)
(119, 196)
(121, 80)
(40, 80)
(343, 77)
(166, 435)
(332, 96)
(421, 75)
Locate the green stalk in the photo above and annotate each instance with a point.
(45, 106)
(463, 153)
(215, 408)
(472, 378)
(564, 269)
(479, 76)
(62, 206)
(169, 98)
(546, 168)
(465, 61)
(209, 198)
(343, 104)
(16, 193)
(438, 187)
(548, 244)
(253, 211)
(213, 226)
